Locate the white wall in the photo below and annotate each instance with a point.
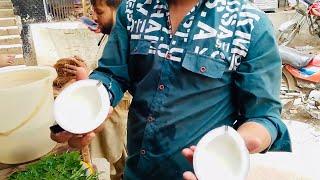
(52, 41)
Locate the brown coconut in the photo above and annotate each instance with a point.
(63, 76)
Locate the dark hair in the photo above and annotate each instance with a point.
(112, 3)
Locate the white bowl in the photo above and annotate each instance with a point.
(82, 107)
(221, 154)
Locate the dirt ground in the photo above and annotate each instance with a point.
(296, 113)
(300, 115)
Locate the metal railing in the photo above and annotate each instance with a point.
(58, 10)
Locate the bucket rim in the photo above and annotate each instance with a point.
(52, 75)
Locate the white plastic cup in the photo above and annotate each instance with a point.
(82, 107)
(221, 154)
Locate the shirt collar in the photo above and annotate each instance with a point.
(165, 1)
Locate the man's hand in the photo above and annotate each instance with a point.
(189, 176)
(188, 153)
(6, 60)
(255, 136)
(76, 140)
(80, 71)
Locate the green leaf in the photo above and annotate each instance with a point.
(66, 166)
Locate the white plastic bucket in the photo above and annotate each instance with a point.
(26, 113)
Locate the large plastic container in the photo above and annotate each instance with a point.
(26, 113)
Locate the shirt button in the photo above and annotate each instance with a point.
(143, 152)
(203, 69)
(168, 55)
(150, 119)
(161, 87)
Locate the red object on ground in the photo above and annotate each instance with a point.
(314, 9)
(309, 73)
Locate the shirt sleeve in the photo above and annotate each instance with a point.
(112, 67)
(258, 80)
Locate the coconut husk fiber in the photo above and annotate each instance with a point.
(63, 76)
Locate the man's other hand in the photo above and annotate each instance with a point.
(78, 140)
(188, 154)
(255, 136)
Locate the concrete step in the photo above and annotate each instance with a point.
(5, 4)
(6, 13)
(9, 30)
(10, 39)
(19, 60)
(10, 21)
(11, 49)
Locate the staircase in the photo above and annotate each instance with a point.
(10, 39)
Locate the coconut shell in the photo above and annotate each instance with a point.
(63, 76)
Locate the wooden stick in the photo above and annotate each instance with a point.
(85, 152)
(84, 7)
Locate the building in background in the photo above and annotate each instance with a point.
(42, 11)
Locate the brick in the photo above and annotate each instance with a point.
(10, 21)
(11, 49)
(10, 39)
(6, 13)
(10, 30)
(5, 5)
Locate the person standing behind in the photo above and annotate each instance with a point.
(110, 142)
(192, 66)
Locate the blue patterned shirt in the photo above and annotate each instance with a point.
(221, 67)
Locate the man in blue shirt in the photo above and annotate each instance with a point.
(192, 66)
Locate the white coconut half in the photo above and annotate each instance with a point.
(221, 154)
(82, 107)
